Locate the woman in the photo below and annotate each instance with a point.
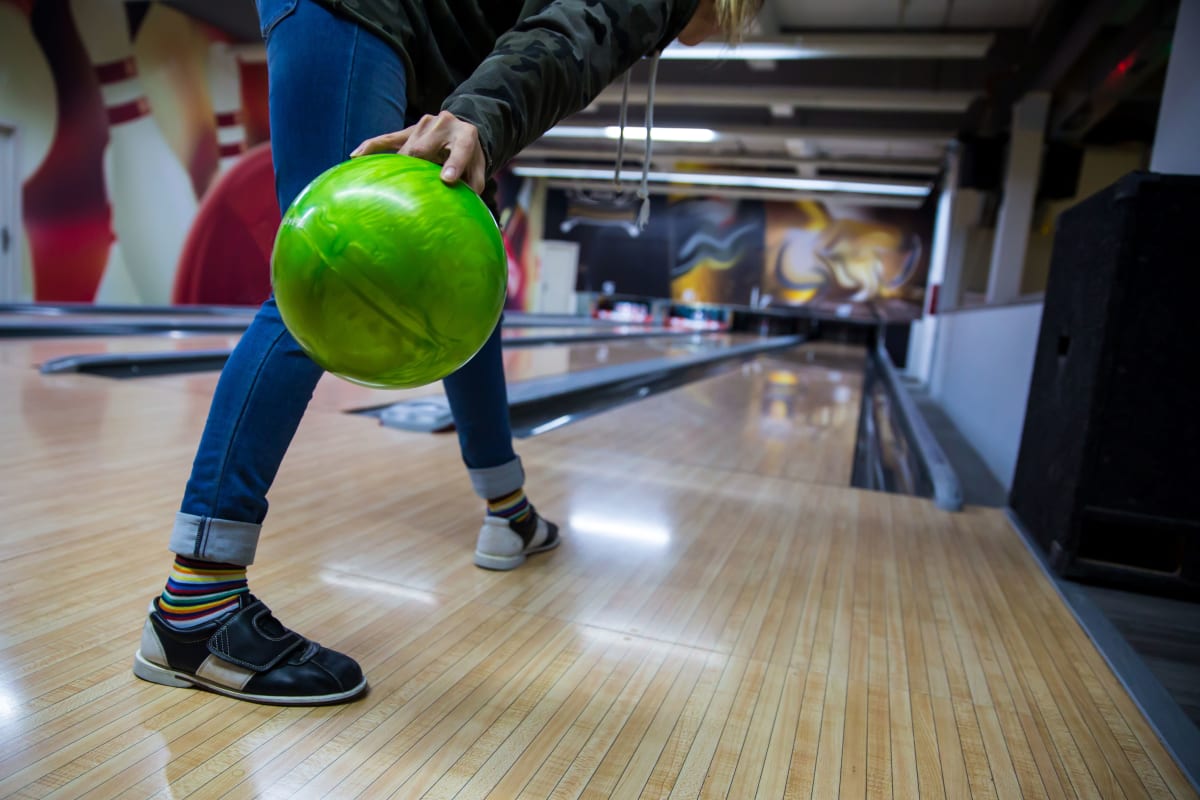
(483, 78)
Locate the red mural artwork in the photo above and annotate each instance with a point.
(67, 217)
(119, 184)
(226, 258)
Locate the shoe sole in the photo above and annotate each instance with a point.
(149, 671)
(505, 563)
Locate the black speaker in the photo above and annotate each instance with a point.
(1061, 165)
(1107, 478)
(982, 163)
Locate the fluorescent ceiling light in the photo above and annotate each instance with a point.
(892, 138)
(663, 134)
(633, 133)
(750, 181)
(747, 51)
(922, 46)
(574, 132)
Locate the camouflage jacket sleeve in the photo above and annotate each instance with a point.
(555, 61)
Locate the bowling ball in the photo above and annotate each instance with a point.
(385, 275)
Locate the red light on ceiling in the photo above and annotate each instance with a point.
(1124, 66)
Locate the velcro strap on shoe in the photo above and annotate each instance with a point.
(254, 639)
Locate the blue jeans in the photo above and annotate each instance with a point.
(332, 85)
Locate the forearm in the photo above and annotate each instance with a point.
(554, 63)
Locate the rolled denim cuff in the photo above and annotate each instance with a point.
(493, 482)
(220, 540)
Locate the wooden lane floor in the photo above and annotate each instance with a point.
(332, 394)
(82, 325)
(86, 325)
(30, 353)
(701, 632)
(520, 364)
(33, 352)
(792, 415)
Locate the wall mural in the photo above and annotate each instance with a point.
(846, 260)
(718, 244)
(860, 257)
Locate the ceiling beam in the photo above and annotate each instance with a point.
(766, 21)
(679, 190)
(608, 155)
(865, 46)
(741, 180)
(707, 96)
(580, 129)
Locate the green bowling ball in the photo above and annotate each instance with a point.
(385, 275)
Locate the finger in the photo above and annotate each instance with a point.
(428, 140)
(476, 175)
(464, 149)
(387, 143)
(430, 148)
(456, 164)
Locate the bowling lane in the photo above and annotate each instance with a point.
(334, 394)
(584, 332)
(87, 322)
(523, 363)
(707, 609)
(520, 364)
(87, 325)
(34, 338)
(792, 415)
(34, 352)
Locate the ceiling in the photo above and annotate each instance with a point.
(901, 14)
(868, 91)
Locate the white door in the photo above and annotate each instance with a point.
(558, 263)
(10, 218)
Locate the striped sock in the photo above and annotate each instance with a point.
(513, 507)
(200, 591)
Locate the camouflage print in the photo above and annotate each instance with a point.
(515, 69)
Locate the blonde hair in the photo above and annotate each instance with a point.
(735, 16)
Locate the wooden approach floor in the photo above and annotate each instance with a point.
(702, 632)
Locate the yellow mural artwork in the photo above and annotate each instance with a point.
(802, 253)
(714, 237)
(812, 255)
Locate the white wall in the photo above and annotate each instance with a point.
(982, 367)
(1175, 149)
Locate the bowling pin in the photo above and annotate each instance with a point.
(29, 100)
(151, 195)
(225, 89)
